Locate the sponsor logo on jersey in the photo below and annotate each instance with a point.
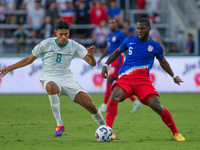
(132, 43)
(114, 38)
(150, 48)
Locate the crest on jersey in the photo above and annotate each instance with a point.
(114, 38)
(150, 48)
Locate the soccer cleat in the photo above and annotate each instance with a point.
(115, 137)
(59, 131)
(136, 106)
(179, 137)
(102, 108)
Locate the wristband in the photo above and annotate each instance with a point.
(174, 77)
(106, 65)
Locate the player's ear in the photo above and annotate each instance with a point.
(56, 32)
(150, 28)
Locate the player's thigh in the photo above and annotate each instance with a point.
(143, 88)
(71, 88)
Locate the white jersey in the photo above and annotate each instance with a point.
(56, 60)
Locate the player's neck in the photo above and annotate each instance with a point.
(113, 31)
(145, 39)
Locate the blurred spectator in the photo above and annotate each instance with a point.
(11, 6)
(47, 28)
(173, 48)
(2, 15)
(128, 30)
(88, 4)
(115, 12)
(155, 35)
(52, 11)
(46, 4)
(82, 17)
(190, 45)
(68, 14)
(19, 4)
(35, 17)
(99, 36)
(33, 38)
(153, 8)
(22, 18)
(29, 5)
(61, 4)
(181, 41)
(20, 36)
(105, 4)
(140, 4)
(97, 14)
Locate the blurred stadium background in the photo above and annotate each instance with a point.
(173, 22)
(26, 119)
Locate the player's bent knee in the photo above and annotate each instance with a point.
(155, 104)
(52, 88)
(158, 108)
(117, 94)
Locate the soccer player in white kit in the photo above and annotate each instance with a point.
(57, 53)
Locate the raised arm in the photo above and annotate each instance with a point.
(165, 65)
(89, 58)
(110, 59)
(24, 62)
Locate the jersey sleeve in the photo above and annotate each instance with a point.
(38, 49)
(160, 53)
(123, 46)
(81, 51)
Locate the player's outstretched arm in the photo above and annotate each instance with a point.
(110, 59)
(24, 62)
(89, 58)
(165, 65)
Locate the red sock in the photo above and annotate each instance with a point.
(132, 98)
(168, 120)
(107, 93)
(111, 112)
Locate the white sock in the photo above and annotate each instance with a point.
(55, 106)
(136, 102)
(98, 118)
(104, 105)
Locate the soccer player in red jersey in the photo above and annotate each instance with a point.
(114, 39)
(134, 75)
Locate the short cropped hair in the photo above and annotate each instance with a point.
(145, 20)
(62, 25)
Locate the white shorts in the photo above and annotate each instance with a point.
(69, 88)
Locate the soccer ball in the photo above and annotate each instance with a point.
(104, 133)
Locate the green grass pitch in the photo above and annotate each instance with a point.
(27, 123)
